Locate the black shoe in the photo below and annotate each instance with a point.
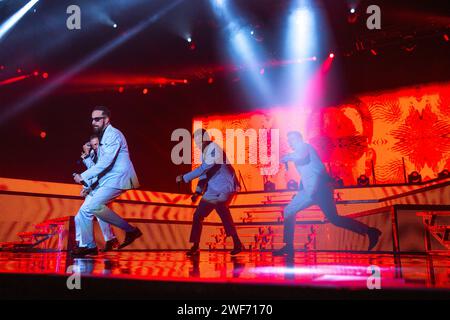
(110, 245)
(286, 250)
(84, 251)
(237, 249)
(374, 235)
(194, 251)
(130, 237)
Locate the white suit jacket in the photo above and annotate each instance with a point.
(223, 182)
(113, 168)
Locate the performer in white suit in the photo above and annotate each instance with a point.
(316, 190)
(89, 158)
(115, 174)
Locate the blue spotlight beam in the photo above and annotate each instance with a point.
(11, 22)
(243, 51)
(301, 42)
(11, 111)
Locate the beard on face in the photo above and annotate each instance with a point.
(97, 129)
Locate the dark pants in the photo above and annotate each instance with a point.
(203, 210)
(317, 191)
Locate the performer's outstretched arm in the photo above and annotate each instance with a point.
(200, 171)
(212, 157)
(298, 155)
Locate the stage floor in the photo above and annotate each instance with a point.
(330, 269)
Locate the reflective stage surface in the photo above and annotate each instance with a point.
(338, 270)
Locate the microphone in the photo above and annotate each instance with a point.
(82, 182)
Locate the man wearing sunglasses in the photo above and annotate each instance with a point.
(115, 174)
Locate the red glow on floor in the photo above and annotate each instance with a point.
(343, 270)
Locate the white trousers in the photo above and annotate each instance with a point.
(95, 204)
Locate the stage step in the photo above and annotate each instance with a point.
(440, 232)
(31, 239)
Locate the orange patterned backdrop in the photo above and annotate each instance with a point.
(412, 123)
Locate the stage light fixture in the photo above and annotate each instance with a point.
(352, 10)
(414, 177)
(331, 55)
(145, 91)
(189, 39)
(45, 75)
(115, 25)
(269, 186)
(444, 174)
(363, 181)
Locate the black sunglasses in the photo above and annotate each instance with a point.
(97, 119)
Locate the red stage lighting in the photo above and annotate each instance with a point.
(446, 37)
(185, 81)
(43, 134)
(45, 75)
(2, 67)
(121, 89)
(145, 91)
(36, 73)
(372, 51)
(211, 80)
(19, 70)
(331, 55)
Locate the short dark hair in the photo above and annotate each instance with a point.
(204, 134)
(105, 110)
(94, 136)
